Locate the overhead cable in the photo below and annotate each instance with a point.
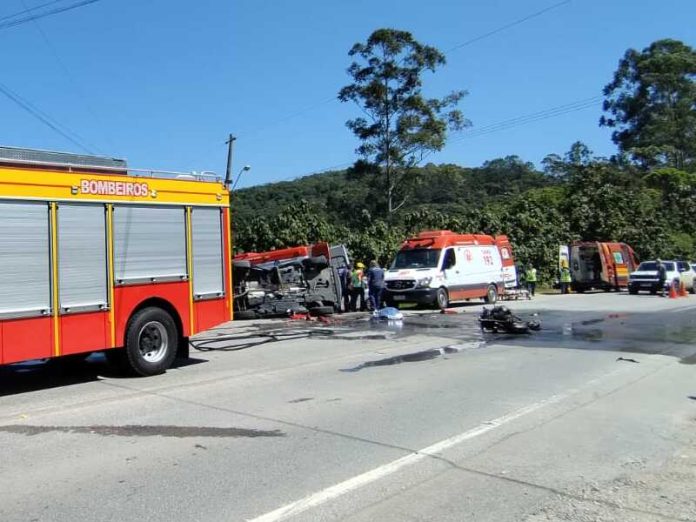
(44, 118)
(459, 46)
(18, 19)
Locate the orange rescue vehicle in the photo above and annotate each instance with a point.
(601, 265)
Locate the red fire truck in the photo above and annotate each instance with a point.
(96, 256)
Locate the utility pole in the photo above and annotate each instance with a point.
(228, 172)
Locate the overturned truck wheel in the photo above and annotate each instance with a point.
(321, 311)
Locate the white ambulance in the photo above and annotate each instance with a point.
(438, 267)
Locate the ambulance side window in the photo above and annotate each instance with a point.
(450, 260)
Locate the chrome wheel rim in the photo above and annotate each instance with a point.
(153, 342)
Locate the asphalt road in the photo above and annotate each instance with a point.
(351, 420)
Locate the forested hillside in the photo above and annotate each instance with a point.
(575, 197)
(644, 195)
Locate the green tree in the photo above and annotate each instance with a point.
(651, 103)
(400, 126)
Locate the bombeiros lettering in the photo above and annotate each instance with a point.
(114, 188)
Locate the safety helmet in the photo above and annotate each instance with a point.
(359, 265)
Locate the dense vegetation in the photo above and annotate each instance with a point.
(645, 195)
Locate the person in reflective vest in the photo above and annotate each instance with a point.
(531, 279)
(357, 287)
(565, 279)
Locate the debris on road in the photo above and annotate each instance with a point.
(627, 360)
(501, 319)
(388, 313)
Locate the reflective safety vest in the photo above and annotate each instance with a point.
(357, 278)
(565, 275)
(530, 276)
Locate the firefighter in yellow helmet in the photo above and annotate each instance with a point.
(357, 287)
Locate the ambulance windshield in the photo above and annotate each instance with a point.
(417, 258)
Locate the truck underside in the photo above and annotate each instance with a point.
(283, 288)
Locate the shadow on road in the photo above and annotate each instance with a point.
(56, 373)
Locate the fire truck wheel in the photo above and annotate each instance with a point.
(491, 294)
(442, 298)
(151, 341)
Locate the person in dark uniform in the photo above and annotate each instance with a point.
(661, 276)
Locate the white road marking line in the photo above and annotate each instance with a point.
(340, 489)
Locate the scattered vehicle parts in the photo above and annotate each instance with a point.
(627, 359)
(388, 313)
(501, 319)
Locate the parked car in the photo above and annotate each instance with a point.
(645, 277)
(687, 275)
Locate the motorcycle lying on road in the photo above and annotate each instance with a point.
(501, 319)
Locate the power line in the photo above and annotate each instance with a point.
(29, 17)
(459, 46)
(44, 118)
(66, 72)
(508, 26)
(492, 128)
(545, 114)
(30, 9)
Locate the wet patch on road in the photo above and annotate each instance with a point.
(671, 333)
(141, 431)
(689, 360)
(423, 355)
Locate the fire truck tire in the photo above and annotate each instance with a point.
(491, 294)
(151, 341)
(442, 298)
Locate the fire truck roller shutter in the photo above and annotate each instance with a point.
(25, 284)
(82, 264)
(149, 244)
(208, 276)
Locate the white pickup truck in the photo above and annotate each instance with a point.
(645, 276)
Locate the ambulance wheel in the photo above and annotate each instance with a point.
(151, 341)
(442, 298)
(491, 294)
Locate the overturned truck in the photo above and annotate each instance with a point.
(296, 280)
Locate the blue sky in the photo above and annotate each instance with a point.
(162, 82)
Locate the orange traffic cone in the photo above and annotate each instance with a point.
(682, 290)
(672, 292)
